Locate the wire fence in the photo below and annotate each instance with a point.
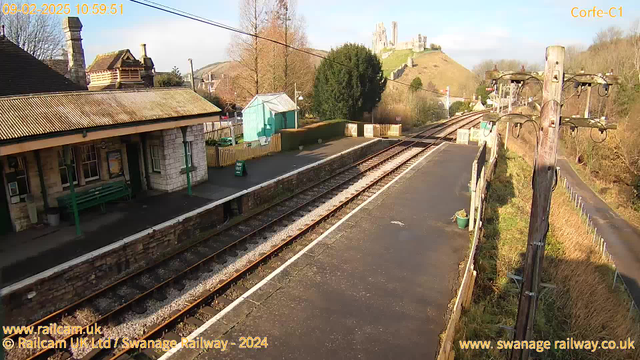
(598, 241)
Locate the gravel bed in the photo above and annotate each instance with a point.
(183, 329)
(86, 316)
(135, 325)
(18, 353)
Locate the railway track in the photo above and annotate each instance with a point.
(180, 292)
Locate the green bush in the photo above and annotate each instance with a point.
(293, 138)
(459, 106)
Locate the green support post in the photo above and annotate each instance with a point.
(186, 158)
(70, 173)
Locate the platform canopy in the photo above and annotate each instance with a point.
(38, 121)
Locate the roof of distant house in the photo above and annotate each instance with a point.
(114, 60)
(22, 73)
(41, 114)
(276, 102)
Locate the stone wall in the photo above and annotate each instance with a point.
(75, 281)
(172, 174)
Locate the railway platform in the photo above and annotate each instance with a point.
(30, 252)
(374, 286)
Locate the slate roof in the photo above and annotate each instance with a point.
(22, 73)
(59, 65)
(114, 60)
(40, 114)
(276, 102)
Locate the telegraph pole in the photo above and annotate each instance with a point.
(193, 84)
(544, 177)
(448, 103)
(506, 138)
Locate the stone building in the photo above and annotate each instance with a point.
(380, 41)
(133, 136)
(56, 136)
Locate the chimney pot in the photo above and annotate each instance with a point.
(143, 49)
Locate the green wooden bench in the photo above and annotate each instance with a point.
(99, 195)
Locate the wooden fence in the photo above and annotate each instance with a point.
(390, 129)
(217, 134)
(224, 156)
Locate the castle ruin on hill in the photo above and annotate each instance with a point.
(380, 40)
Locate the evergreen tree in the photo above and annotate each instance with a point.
(416, 84)
(174, 78)
(348, 91)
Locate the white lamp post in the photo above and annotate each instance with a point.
(298, 96)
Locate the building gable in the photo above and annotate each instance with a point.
(22, 73)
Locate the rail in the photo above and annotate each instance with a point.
(52, 318)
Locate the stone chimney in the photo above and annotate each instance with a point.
(148, 73)
(72, 28)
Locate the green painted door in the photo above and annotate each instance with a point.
(133, 159)
(5, 217)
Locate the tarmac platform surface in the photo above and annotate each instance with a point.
(32, 251)
(623, 239)
(377, 286)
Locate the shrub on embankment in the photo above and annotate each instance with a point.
(583, 305)
(293, 138)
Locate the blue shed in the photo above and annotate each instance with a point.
(266, 114)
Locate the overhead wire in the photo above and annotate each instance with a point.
(187, 15)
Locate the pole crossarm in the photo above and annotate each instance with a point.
(579, 122)
(593, 79)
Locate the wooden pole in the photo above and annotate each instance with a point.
(543, 180)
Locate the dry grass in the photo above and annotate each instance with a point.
(438, 68)
(614, 194)
(583, 306)
(414, 109)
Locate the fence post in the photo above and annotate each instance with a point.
(474, 167)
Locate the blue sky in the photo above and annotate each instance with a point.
(468, 31)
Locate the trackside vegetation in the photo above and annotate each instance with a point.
(583, 305)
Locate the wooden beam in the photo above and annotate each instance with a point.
(102, 134)
(587, 123)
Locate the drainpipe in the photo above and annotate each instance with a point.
(186, 158)
(74, 204)
(43, 187)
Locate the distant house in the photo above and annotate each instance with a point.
(121, 70)
(266, 114)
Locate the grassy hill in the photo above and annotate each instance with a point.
(432, 66)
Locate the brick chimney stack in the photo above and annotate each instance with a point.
(72, 28)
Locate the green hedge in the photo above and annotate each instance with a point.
(293, 138)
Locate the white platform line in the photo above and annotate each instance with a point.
(256, 287)
(20, 284)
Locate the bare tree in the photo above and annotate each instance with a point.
(39, 35)
(610, 34)
(634, 38)
(245, 50)
(503, 65)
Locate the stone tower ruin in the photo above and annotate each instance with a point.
(380, 41)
